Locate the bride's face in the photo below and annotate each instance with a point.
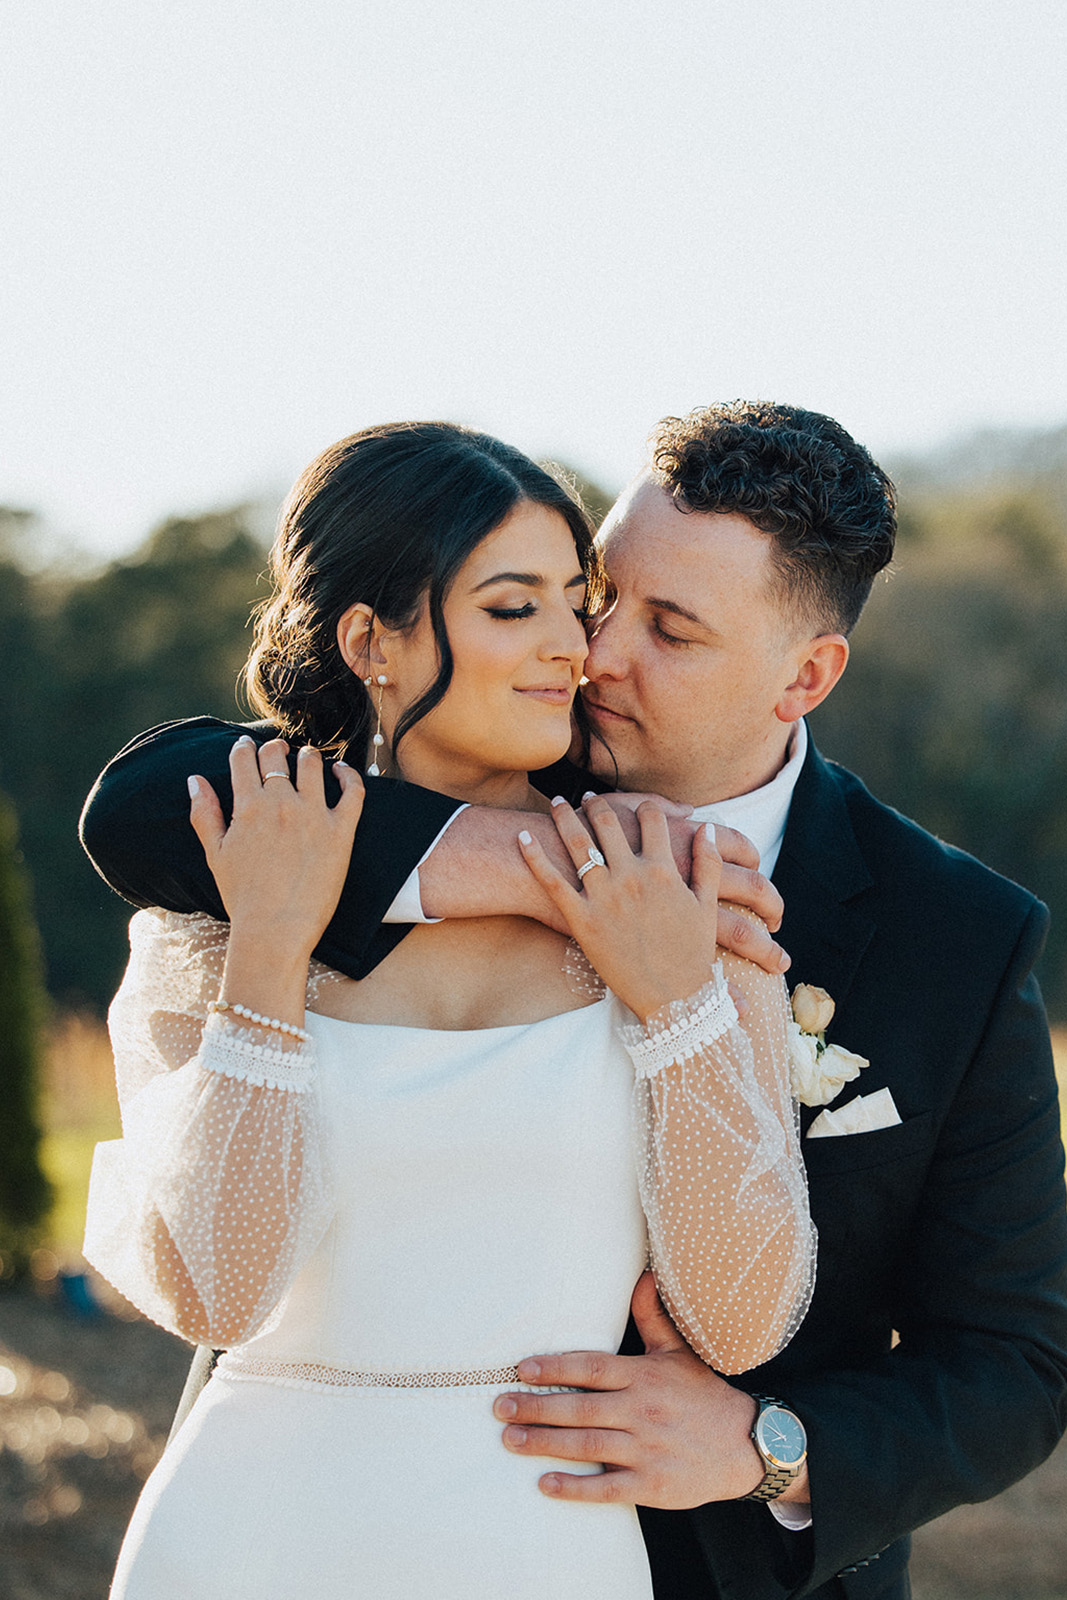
(515, 625)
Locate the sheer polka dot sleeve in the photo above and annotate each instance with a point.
(215, 1196)
(720, 1170)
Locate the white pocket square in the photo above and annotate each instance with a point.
(861, 1115)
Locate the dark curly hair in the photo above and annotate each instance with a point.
(798, 476)
(387, 517)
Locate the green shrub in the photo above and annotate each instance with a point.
(25, 1194)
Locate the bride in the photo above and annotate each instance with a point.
(378, 1196)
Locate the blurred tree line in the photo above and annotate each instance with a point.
(954, 707)
(89, 660)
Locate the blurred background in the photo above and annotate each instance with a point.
(233, 233)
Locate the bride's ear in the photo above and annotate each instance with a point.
(359, 639)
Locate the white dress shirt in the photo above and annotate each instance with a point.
(763, 813)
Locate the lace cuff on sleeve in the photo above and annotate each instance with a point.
(720, 1171)
(205, 1210)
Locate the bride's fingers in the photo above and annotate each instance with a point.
(309, 781)
(350, 805)
(552, 881)
(707, 869)
(245, 772)
(273, 760)
(610, 837)
(205, 814)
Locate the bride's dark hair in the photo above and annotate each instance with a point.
(387, 517)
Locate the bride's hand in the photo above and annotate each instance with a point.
(649, 935)
(280, 865)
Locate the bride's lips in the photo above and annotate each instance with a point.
(550, 694)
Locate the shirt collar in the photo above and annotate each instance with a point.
(763, 813)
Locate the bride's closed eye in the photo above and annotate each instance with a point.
(509, 614)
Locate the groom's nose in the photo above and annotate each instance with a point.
(607, 656)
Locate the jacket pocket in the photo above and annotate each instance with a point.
(853, 1152)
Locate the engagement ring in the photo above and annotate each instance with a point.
(594, 859)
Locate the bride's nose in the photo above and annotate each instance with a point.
(565, 639)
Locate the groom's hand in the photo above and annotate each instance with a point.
(668, 1431)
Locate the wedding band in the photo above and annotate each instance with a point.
(267, 775)
(594, 859)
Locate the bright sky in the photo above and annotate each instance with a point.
(233, 230)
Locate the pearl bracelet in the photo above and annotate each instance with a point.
(263, 1022)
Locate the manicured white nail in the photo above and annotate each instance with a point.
(559, 800)
(524, 837)
(194, 787)
(709, 832)
(590, 794)
(341, 764)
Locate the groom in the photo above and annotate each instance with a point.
(932, 1366)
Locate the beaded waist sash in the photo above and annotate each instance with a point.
(316, 1375)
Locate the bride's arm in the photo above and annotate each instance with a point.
(720, 1171)
(718, 1156)
(207, 1207)
(214, 1198)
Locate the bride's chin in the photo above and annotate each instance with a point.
(533, 754)
(547, 754)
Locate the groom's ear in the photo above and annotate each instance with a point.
(820, 663)
(358, 639)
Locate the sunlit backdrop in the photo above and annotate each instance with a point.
(234, 230)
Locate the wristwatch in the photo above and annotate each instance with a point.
(779, 1436)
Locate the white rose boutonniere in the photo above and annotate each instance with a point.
(818, 1071)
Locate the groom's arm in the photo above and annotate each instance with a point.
(972, 1398)
(135, 828)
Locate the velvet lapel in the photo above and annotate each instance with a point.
(822, 876)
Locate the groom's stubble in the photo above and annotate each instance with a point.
(693, 665)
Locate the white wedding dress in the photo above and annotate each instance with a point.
(378, 1227)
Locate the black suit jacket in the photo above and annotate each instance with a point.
(949, 1230)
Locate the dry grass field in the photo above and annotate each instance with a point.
(86, 1402)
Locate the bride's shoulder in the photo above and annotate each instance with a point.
(178, 953)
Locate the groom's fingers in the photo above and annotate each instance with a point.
(577, 1369)
(583, 1409)
(615, 1485)
(737, 931)
(604, 1446)
(736, 847)
(743, 887)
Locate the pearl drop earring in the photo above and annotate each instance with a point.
(378, 739)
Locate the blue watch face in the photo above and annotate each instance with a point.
(781, 1437)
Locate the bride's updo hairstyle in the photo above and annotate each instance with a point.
(386, 517)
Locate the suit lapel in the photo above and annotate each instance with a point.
(822, 876)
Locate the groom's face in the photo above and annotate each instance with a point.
(692, 654)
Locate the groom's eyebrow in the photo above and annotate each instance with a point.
(532, 580)
(677, 610)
